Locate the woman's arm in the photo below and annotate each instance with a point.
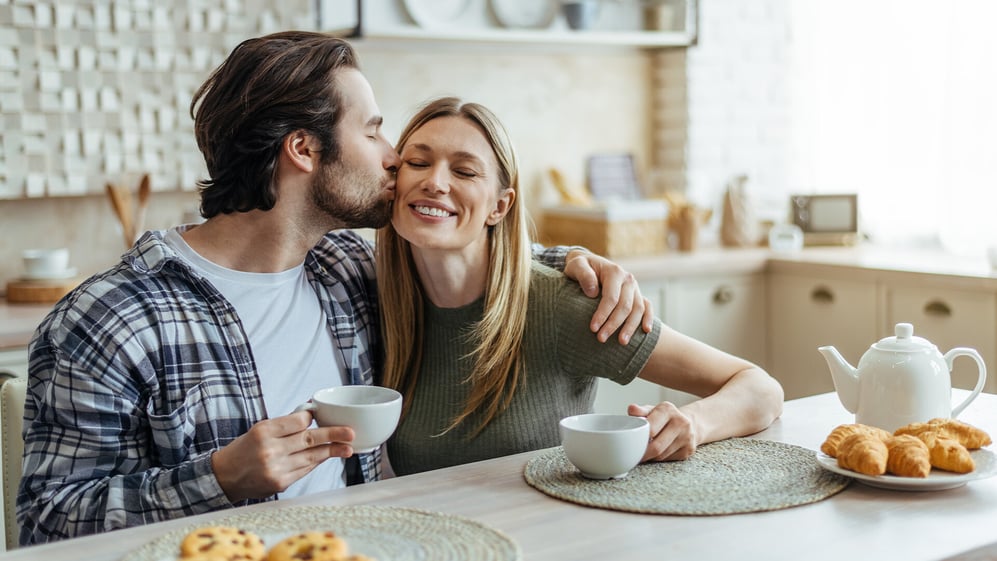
(738, 397)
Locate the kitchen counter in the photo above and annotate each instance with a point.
(18, 321)
(862, 260)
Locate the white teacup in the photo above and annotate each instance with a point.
(371, 411)
(604, 446)
(45, 262)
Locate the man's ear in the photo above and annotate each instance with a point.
(301, 150)
(502, 206)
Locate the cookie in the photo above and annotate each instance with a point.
(309, 546)
(231, 544)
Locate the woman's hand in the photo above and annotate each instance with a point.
(673, 434)
(622, 306)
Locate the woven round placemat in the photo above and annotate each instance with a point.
(382, 532)
(731, 476)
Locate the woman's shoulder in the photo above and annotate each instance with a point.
(542, 274)
(552, 286)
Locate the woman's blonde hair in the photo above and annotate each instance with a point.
(497, 337)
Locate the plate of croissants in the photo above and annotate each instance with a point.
(932, 456)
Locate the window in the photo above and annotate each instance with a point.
(897, 100)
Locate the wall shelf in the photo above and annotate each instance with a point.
(639, 39)
(620, 25)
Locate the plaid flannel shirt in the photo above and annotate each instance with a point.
(143, 371)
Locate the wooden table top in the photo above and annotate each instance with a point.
(860, 523)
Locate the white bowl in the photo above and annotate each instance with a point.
(45, 262)
(604, 446)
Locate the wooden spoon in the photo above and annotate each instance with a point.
(144, 190)
(121, 202)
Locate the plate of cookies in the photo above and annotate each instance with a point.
(343, 533)
(931, 456)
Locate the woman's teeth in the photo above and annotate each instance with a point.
(431, 211)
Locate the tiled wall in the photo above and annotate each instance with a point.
(97, 91)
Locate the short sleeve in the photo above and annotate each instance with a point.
(580, 352)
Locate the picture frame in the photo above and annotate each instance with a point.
(613, 177)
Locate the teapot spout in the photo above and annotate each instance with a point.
(845, 376)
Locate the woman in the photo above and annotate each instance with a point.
(490, 349)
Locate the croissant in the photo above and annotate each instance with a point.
(969, 436)
(833, 441)
(947, 454)
(908, 456)
(863, 452)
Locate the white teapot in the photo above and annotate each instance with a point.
(900, 380)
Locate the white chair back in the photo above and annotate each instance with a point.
(12, 394)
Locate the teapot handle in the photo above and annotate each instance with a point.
(981, 379)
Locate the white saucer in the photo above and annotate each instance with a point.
(937, 480)
(64, 274)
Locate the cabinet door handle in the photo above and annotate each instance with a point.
(723, 295)
(937, 308)
(822, 295)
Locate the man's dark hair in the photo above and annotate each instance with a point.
(267, 88)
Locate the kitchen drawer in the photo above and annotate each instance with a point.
(949, 318)
(809, 312)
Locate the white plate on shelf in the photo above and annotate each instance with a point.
(60, 275)
(937, 480)
(526, 14)
(435, 13)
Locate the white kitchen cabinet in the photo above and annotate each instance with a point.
(725, 311)
(14, 360)
(948, 317)
(807, 312)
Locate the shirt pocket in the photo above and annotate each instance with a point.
(185, 430)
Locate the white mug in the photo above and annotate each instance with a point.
(371, 411)
(45, 262)
(604, 446)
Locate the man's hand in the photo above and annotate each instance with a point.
(275, 453)
(622, 306)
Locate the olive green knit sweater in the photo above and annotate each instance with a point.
(562, 359)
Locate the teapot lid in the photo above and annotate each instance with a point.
(904, 340)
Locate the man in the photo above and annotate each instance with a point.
(164, 386)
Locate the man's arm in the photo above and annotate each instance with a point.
(622, 307)
(89, 465)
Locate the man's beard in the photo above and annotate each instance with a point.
(351, 197)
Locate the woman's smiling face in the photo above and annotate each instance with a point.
(447, 188)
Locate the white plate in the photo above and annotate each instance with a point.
(66, 274)
(435, 13)
(381, 532)
(937, 480)
(535, 14)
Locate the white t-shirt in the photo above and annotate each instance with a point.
(292, 346)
